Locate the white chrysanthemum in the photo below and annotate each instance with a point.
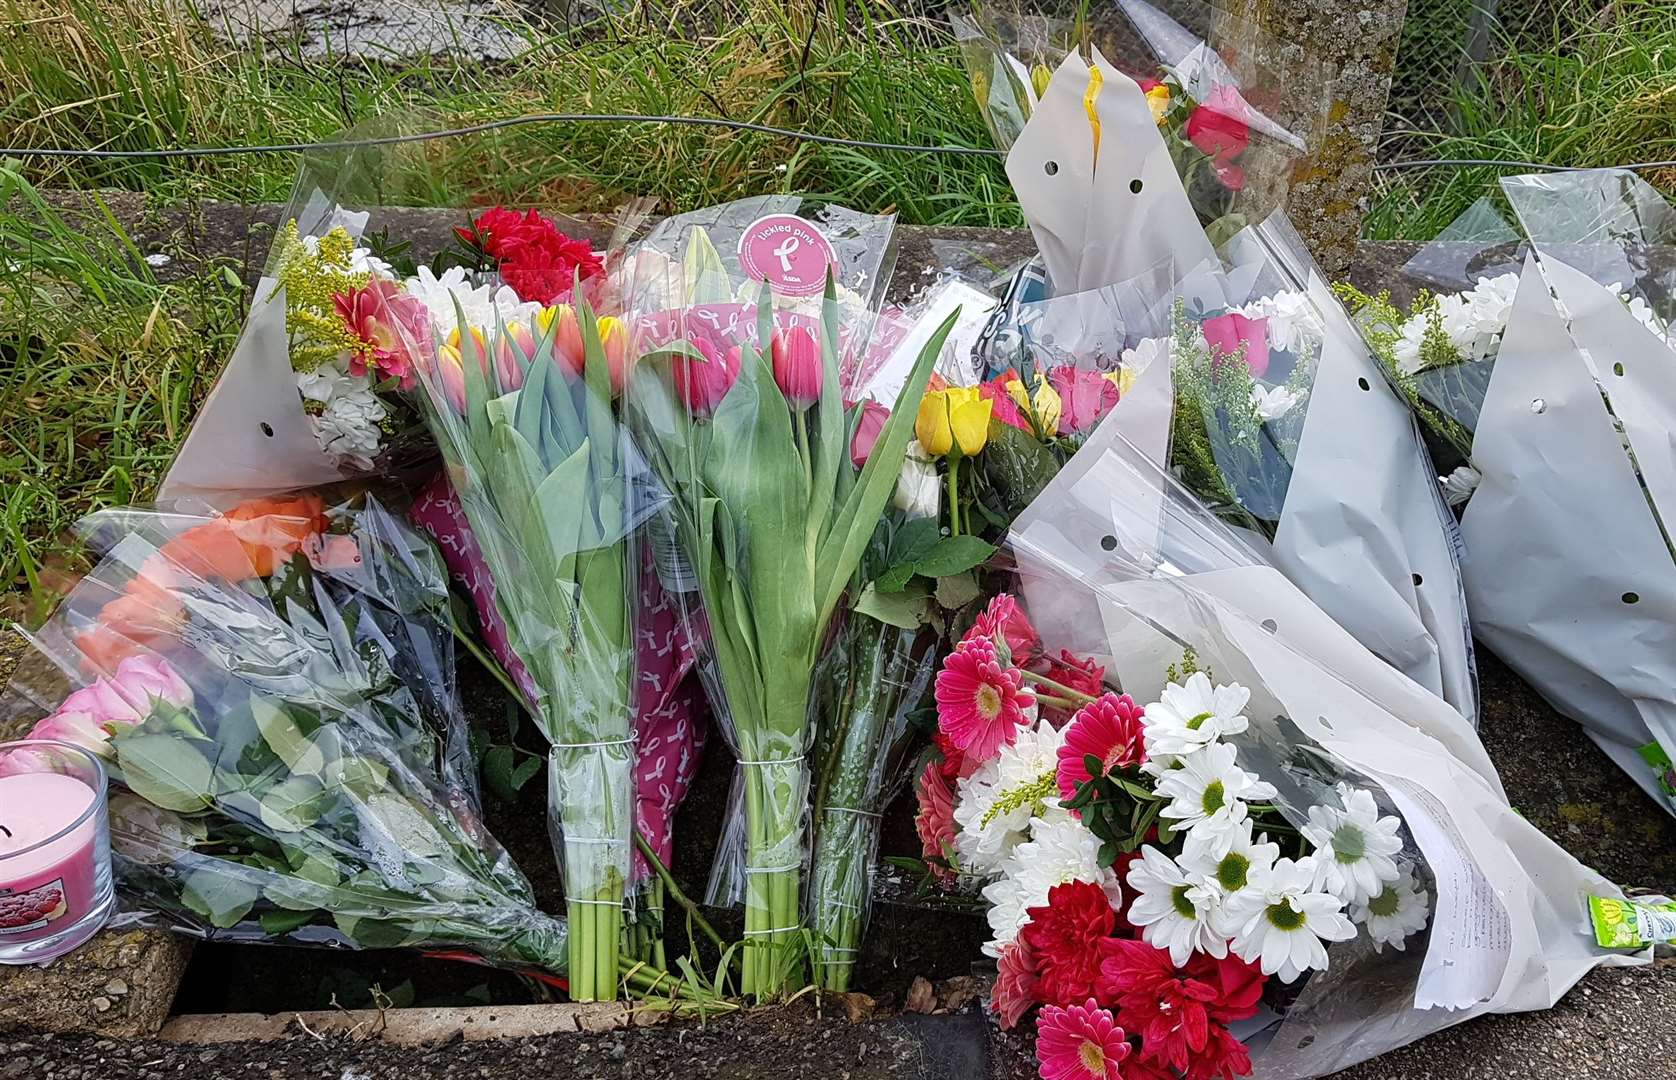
(994, 805)
(1282, 925)
(361, 260)
(1293, 325)
(1273, 402)
(1472, 320)
(1354, 845)
(1230, 861)
(1058, 851)
(1175, 910)
(485, 306)
(1141, 357)
(1192, 715)
(347, 426)
(1399, 910)
(1209, 790)
(1459, 485)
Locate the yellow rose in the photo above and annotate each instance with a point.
(958, 416)
(1047, 406)
(1158, 100)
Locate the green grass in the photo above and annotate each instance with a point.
(1591, 93)
(122, 74)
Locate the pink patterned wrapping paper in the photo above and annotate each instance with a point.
(671, 710)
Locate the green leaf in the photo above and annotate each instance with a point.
(220, 895)
(407, 826)
(914, 539)
(166, 771)
(280, 923)
(954, 555)
(291, 806)
(378, 933)
(895, 579)
(955, 591)
(505, 774)
(363, 776)
(1016, 465)
(905, 609)
(285, 737)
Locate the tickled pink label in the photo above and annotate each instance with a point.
(788, 253)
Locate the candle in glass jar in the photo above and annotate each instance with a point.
(47, 854)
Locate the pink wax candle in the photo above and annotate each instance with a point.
(55, 886)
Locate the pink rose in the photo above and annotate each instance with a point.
(103, 701)
(1225, 334)
(28, 759)
(1085, 397)
(145, 680)
(82, 729)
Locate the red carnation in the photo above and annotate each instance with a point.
(1067, 936)
(538, 261)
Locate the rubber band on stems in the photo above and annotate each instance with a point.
(875, 814)
(773, 761)
(775, 930)
(630, 741)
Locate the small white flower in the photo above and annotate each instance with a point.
(1400, 910)
(1293, 326)
(1144, 353)
(1273, 402)
(918, 492)
(1282, 924)
(1473, 321)
(1353, 845)
(1459, 485)
(1230, 860)
(1209, 790)
(347, 427)
(994, 806)
(361, 260)
(485, 306)
(1193, 715)
(1175, 910)
(1058, 851)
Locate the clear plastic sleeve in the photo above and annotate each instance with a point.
(1127, 569)
(738, 406)
(521, 400)
(868, 686)
(270, 790)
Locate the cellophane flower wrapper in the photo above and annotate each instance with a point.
(1545, 375)
(270, 792)
(868, 687)
(1271, 405)
(737, 403)
(365, 587)
(1121, 565)
(521, 401)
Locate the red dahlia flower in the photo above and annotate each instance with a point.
(1067, 936)
(1108, 728)
(1223, 1058)
(1239, 985)
(1082, 1042)
(1157, 1001)
(980, 703)
(1015, 991)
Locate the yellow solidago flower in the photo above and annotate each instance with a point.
(958, 416)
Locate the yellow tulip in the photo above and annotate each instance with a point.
(956, 417)
(1158, 100)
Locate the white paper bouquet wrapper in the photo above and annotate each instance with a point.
(1357, 523)
(1509, 927)
(1568, 561)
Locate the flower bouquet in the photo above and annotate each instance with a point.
(1546, 387)
(1269, 405)
(1252, 847)
(269, 791)
(738, 409)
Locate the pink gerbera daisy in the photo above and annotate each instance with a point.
(1004, 623)
(980, 703)
(1081, 1042)
(1108, 728)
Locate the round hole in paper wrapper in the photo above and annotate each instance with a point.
(1631, 598)
(1051, 168)
(1135, 185)
(1270, 625)
(1363, 383)
(1108, 542)
(788, 253)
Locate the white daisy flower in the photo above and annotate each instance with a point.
(1193, 714)
(1175, 910)
(1400, 910)
(1354, 845)
(1459, 485)
(1058, 851)
(1293, 324)
(994, 805)
(1210, 790)
(1282, 925)
(1273, 402)
(1234, 868)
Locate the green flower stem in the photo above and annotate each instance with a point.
(666, 884)
(1062, 694)
(954, 494)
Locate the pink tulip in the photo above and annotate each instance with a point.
(867, 429)
(1226, 333)
(1085, 397)
(513, 350)
(797, 366)
(146, 680)
(701, 384)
